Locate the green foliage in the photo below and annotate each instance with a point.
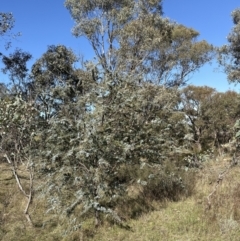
(6, 25)
(17, 128)
(7, 22)
(55, 81)
(229, 55)
(131, 38)
(16, 66)
(210, 114)
(94, 132)
(130, 126)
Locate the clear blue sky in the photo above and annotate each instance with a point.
(47, 22)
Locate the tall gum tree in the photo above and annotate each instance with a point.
(133, 38)
(16, 114)
(126, 118)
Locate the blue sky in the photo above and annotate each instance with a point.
(47, 22)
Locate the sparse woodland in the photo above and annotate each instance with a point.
(120, 136)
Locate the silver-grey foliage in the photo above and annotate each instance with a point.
(229, 55)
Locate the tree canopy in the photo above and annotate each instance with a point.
(133, 38)
(6, 25)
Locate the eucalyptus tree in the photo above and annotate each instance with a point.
(55, 80)
(17, 115)
(229, 55)
(192, 101)
(133, 38)
(18, 124)
(210, 114)
(221, 113)
(116, 113)
(86, 161)
(91, 143)
(15, 65)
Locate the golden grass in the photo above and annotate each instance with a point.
(188, 219)
(191, 219)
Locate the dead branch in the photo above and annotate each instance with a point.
(28, 196)
(220, 179)
(16, 176)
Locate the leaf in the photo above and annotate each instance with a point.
(237, 135)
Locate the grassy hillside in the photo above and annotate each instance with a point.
(212, 212)
(192, 218)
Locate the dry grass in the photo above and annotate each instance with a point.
(191, 219)
(188, 219)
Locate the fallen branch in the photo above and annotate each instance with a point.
(220, 179)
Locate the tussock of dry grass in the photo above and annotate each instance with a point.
(187, 219)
